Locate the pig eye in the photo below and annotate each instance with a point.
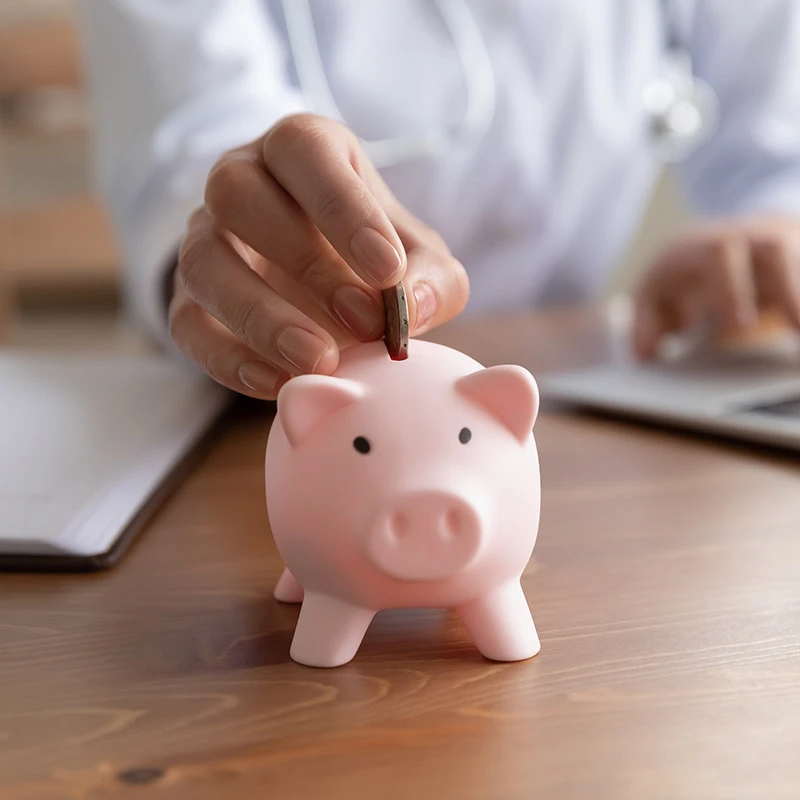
(464, 435)
(362, 445)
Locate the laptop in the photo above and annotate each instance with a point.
(750, 396)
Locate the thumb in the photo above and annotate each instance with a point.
(648, 328)
(436, 283)
(436, 286)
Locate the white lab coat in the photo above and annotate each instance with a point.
(538, 211)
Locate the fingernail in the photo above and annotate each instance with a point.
(425, 299)
(301, 348)
(358, 311)
(260, 378)
(375, 254)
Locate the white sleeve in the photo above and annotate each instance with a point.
(174, 83)
(749, 53)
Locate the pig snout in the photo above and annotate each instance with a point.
(425, 536)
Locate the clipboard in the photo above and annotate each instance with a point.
(90, 448)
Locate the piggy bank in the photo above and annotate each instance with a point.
(396, 484)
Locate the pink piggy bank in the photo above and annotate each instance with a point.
(397, 484)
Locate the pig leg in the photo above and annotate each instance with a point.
(287, 589)
(501, 625)
(329, 631)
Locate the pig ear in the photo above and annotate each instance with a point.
(307, 400)
(508, 393)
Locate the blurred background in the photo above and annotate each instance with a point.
(58, 258)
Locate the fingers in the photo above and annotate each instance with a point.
(216, 350)
(778, 278)
(312, 159)
(295, 198)
(690, 281)
(656, 316)
(730, 283)
(666, 300)
(648, 329)
(216, 277)
(289, 254)
(725, 270)
(245, 200)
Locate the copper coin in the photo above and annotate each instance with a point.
(395, 307)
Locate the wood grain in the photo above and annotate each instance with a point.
(664, 586)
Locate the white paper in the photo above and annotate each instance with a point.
(86, 440)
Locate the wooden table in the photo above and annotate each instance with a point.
(665, 586)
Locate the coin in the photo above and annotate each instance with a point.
(395, 308)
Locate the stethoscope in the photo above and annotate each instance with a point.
(683, 111)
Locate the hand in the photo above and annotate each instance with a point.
(282, 265)
(726, 271)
